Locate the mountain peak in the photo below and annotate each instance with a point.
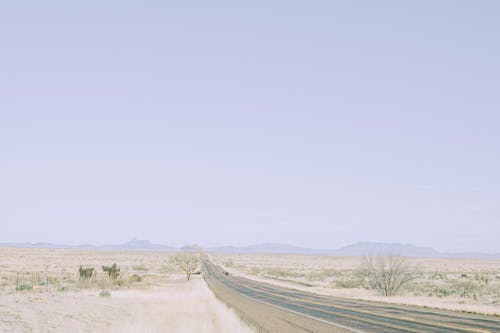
(377, 248)
(134, 242)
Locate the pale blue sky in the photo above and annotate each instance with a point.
(315, 123)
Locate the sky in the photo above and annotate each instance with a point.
(313, 123)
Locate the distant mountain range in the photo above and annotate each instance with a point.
(357, 249)
(131, 245)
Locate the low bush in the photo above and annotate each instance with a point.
(135, 278)
(63, 288)
(464, 288)
(349, 283)
(282, 273)
(104, 293)
(24, 287)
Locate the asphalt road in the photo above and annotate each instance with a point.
(352, 315)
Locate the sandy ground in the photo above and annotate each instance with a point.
(321, 274)
(162, 302)
(177, 307)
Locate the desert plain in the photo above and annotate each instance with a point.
(466, 285)
(40, 289)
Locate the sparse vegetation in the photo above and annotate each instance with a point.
(139, 268)
(24, 287)
(113, 271)
(105, 293)
(281, 273)
(86, 273)
(471, 285)
(136, 278)
(349, 282)
(64, 275)
(188, 260)
(60, 302)
(386, 274)
(464, 288)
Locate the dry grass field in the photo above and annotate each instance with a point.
(40, 291)
(470, 285)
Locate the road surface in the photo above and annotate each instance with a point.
(277, 309)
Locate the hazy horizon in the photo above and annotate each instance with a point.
(314, 124)
(205, 246)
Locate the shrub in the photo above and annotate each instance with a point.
(119, 282)
(388, 275)
(282, 273)
(104, 293)
(482, 278)
(349, 283)
(464, 288)
(441, 292)
(135, 278)
(113, 271)
(42, 283)
(438, 276)
(63, 288)
(24, 287)
(321, 275)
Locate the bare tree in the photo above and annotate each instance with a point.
(387, 274)
(188, 259)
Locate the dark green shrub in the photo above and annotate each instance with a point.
(104, 293)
